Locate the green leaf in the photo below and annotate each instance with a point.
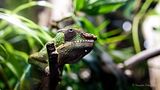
(12, 68)
(3, 51)
(8, 47)
(22, 80)
(116, 39)
(103, 25)
(108, 8)
(31, 4)
(102, 7)
(9, 66)
(31, 24)
(21, 54)
(110, 33)
(88, 25)
(17, 22)
(79, 4)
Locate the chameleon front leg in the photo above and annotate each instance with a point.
(39, 61)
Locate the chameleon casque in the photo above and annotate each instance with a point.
(71, 45)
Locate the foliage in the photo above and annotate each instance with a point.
(20, 35)
(95, 7)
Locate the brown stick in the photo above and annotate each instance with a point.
(142, 56)
(53, 66)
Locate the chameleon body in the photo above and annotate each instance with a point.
(71, 45)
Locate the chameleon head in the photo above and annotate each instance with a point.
(75, 45)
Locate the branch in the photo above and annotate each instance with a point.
(142, 56)
(53, 66)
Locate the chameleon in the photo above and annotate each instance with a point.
(71, 45)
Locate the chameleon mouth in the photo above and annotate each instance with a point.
(84, 41)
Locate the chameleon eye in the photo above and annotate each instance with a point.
(69, 34)
(70, 30)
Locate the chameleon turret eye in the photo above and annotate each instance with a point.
(69, 34)
(70, 30)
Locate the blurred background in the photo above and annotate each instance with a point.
(123, 28)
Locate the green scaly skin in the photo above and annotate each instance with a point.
(71, 45)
